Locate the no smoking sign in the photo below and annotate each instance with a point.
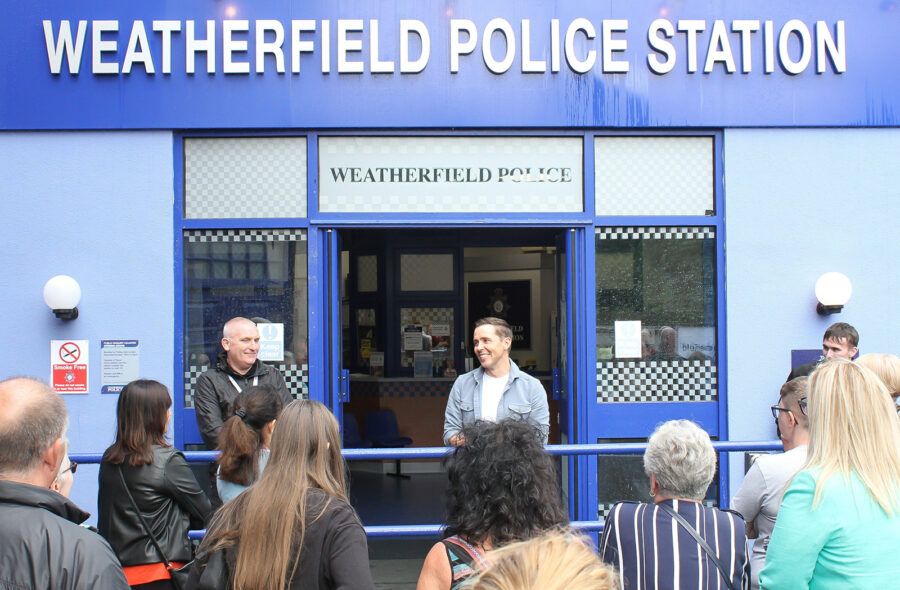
(69, 366)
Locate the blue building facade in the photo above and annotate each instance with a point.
(680, 164)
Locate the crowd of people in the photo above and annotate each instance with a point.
(823, 514)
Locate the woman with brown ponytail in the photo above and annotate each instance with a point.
(244, 439)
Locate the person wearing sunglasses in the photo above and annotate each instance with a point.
(759, 497)
(65, 478)
(839, 520)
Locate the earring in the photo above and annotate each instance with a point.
(652, 494)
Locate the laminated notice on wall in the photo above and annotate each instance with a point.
(628, 339)
(119, 364)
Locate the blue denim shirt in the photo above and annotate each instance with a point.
(523, 399)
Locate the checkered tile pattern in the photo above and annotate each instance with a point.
(603, 508)
(244, 235)
(244, 177)
(656, 381)
(656, 233)
(450, 152)
(190, 382)
(296, 377)
(653, 176)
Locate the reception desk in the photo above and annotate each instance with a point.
(418, 403)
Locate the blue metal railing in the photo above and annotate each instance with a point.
(434, 530)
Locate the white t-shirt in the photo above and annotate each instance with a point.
(491, 391)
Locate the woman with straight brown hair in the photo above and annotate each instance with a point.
(244, 439)
(294, 527)
(146, 484)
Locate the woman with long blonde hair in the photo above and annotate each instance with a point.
(294, 527)
(839, 521)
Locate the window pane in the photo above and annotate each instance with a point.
(653, 176)
(241, 177)
(426, 272)
(272, 290)
(424, 332)
(664, 278)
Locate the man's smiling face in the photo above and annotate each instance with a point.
(492, 350)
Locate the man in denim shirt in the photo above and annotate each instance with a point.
(497, 389)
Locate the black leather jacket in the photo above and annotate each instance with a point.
(42, 546)
(168, 496)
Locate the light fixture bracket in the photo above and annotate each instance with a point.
(66, 314)
(828, 309)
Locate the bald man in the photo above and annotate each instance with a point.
(41, 544)
(237, 368)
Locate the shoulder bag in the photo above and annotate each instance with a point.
(180, 575)
(702, 542)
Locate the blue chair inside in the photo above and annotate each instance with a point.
(381, 429)
(352, 439)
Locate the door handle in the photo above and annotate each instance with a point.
(344, 388)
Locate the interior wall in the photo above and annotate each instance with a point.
(96, 206)
(799, 203)
(512, 264)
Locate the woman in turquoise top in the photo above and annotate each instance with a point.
(839, 522)
(244, 439)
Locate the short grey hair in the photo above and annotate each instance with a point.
(32, 417)
(681, 457)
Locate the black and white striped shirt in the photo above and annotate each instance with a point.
(653, 552)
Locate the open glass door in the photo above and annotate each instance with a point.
(337, 380)
(565, 372)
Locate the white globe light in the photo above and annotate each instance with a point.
(62, 292)
(833, 289)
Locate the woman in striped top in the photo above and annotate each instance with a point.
(647, 543)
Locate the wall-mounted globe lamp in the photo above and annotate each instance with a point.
(833, 290)
(62, 294)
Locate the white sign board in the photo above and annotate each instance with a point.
(271, 342)
(628, 340)
(69, 366)
(450, 174)
(696, 342)
(119, 364)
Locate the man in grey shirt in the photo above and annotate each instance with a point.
(760, 495)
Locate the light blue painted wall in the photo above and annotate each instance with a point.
(97, 206)
(799, 203)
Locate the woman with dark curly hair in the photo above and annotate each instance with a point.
(503, 488)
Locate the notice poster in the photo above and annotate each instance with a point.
(271, 342)
(628, 340)
(119, 364)
(423, 363)
(69, 366)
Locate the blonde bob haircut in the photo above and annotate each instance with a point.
(887, 367)
(853, 428)
(268, 521)
(558, 560)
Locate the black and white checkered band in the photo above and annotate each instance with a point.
(296, 377)
(244, 235)
(656, 381)
(655, 233)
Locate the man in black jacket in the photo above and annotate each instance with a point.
(840, 340)
(237, 367)
(41, 544)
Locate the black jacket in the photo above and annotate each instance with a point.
(168, 496)
(334, 555)
(214, 394)
(42, 546)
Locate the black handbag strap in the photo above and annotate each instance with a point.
(144, 522)
(700, 541)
